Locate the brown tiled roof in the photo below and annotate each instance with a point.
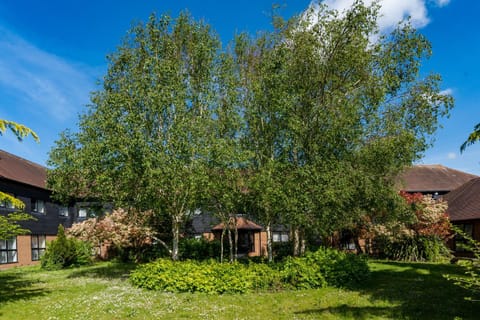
(242, 224)
(21, 170)
(432, 178)
(464, 202)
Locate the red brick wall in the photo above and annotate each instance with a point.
(24, 252)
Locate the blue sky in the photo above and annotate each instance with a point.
(52, 55)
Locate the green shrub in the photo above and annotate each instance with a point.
(325, 267)
(318, 269)
(281, 250)
(471, 279)
(64, 252)
(198, 249)
(420, 248)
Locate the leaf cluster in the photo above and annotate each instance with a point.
(325, 267)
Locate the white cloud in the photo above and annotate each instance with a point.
(446, 92)
(451, 155)
(43, 81)
(442, 3)
(393, 11)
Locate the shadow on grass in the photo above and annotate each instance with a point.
(14, 287)
(414, 290)
(420, 290)
(351, 312)
(106, 270)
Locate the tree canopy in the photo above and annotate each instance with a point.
(317, 116)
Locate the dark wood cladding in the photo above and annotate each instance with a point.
(45, 223)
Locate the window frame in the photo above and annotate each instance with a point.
(35, 206)
(63, 209)
(83, 216)
(6, 248)
(38, 246)
(280, 236)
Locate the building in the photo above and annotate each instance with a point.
(26, 181)
(252, 238)
(464, 212)
(461, 190)
(436, 180)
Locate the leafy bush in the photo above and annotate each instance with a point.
(471, 279)
(325, 267)
(64, 252)
(421, 239)
(318, 269)
(420, 248)
(281, 250)
(198, 249)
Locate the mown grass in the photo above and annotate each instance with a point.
(394, 291)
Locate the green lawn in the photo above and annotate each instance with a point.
(395, 291)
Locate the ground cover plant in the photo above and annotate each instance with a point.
(316, 270)
(395, 290)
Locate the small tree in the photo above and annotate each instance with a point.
(471, 279)
(64, 252)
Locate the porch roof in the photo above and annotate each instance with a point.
(242, 224)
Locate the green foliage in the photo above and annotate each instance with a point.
(9, 224)
(66, 252)
(144, 141)
(315, 270)
(282, 250)
(318, 116)
(325, 267)
(471, 279)
(472, 138)
(418, 248)
(331, 117)
(198, 249)
(19, 130)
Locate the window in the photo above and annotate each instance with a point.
(63, 211)
(82, 212)
(38, 246)
(38, 206)
(280, 236)
(8, 251)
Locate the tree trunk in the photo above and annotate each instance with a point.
(356, 241)
(230, 243)
(269, 242)
(176, 236)
(296, 242)
(222, 237)
(235, 232)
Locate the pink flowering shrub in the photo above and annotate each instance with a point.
(422, 238)
(119, 230)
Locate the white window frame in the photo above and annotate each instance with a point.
(280, 236)
(63, 211)
(83, 212)
(8, 251)
(39, 206)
